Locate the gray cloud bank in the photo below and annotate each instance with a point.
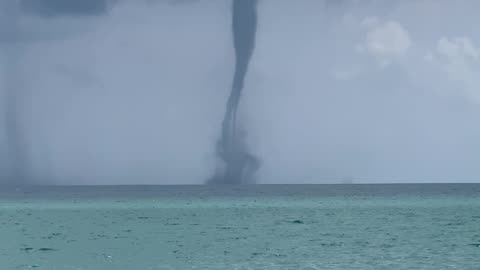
(374, 91)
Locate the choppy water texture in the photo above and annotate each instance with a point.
(247, 227)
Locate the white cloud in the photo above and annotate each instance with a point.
(370, 22)
(456, 48)
(386, 41)
(459, 58)
(429, 56)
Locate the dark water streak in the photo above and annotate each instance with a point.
(239, 165)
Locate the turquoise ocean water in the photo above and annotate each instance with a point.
(428, 226)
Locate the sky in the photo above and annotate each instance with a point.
(368, 91)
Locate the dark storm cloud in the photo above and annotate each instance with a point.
(65, 7)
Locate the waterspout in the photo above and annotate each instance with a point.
(238, 164)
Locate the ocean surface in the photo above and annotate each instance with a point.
(411, 226)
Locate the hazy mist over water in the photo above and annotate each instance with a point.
(369, 90)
